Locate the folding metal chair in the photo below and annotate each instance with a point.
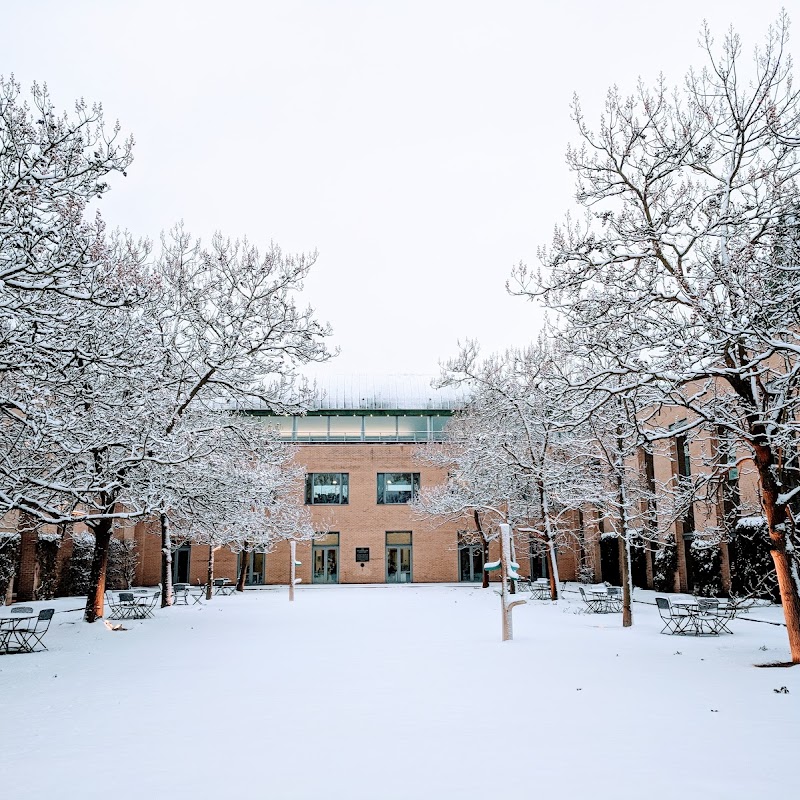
(30, 637)
(708, 619)
(180, 593)
(674, 621)
(597, 605)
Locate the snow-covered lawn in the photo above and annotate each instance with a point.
(396, 692)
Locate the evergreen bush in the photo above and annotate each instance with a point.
(76, 569)
(707, 568)
(665, 566)
(752, 567)
(123, 558)
(9, 561)
(47, 547)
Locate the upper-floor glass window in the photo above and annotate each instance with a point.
(397, 487)
(327, 488)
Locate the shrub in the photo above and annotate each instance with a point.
(76, 569)
(752, 567)
(9, 561)
(707, 568)
(123, 558)
(665, 566)
(47, 547)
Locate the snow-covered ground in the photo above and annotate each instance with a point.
(396, 692)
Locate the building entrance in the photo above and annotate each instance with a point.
(180, 564)
(326, 565)
(470, 563)
(398, 557)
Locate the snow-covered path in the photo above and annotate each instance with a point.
(396, 692)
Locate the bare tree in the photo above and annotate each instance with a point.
(683, 272)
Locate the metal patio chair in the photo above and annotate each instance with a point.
(675, 620)
(595, 603)
(614, 597)
(180, 593)
(708, 619)
(31, 635)
(150, 606)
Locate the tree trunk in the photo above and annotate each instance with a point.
(292, 568)
(210, 576)
(552, 557)
(485, 548)
(97, 576)
(781, 549)
(624, 541)
(242, 569)
(167, 596)
(625, 563)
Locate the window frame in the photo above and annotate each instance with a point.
(381, 488)
(344, 489)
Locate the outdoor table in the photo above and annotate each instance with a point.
(540, 589)
(697, 617)
(10, 628)
(224, 586)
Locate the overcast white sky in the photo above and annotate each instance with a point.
(419, 146)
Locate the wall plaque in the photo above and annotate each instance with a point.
(362, 554)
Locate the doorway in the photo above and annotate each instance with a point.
(181, 560)
(470, 563)
(325, 568)
(255, 570)
(398, 557)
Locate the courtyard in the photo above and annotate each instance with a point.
(397, 692)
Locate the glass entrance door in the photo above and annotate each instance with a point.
(398, 565)
(326, 565)
(470, 563)
(180, 564)
(255, 571)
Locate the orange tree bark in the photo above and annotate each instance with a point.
(777, 520)
(97, 575)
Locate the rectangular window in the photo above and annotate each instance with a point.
(398, 537)
(413, 429)
(397, 487)
(311, 428)
(326, 539)
(345, 428)
(327, 488)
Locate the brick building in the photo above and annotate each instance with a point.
(359, 449)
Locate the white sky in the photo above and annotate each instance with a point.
(419, 146)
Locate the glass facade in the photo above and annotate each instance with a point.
(411, 427)
(327, 488)
(397, 487)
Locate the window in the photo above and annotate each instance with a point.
(327, 488)
(397, 487)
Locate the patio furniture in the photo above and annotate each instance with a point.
(148, 603)
(197, 593)
(677, 620)
(726, 612)
(125, 606)
(22, 634)
(180, 593)
(596, 602)
(614, 597)
(540, 588)
(223, 586)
